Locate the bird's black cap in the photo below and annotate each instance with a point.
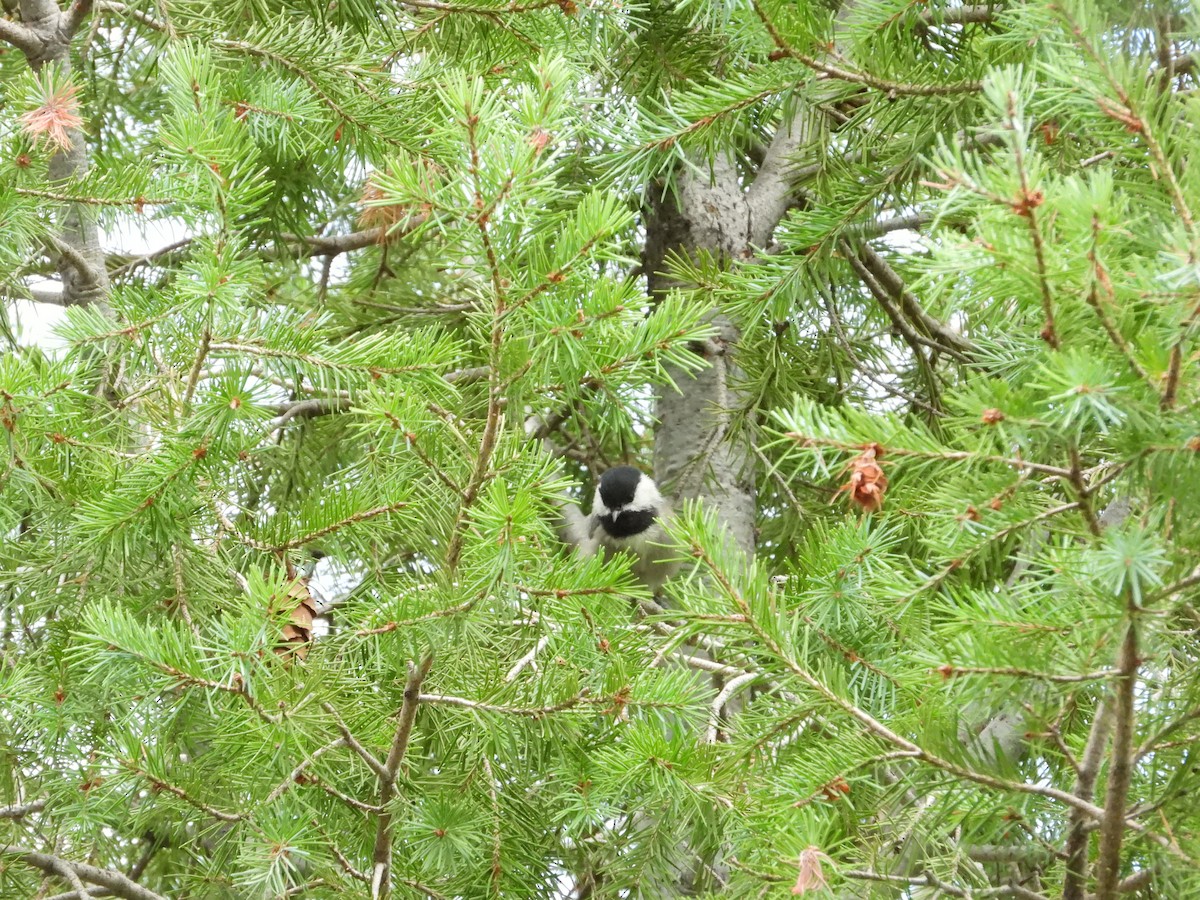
(617, 486)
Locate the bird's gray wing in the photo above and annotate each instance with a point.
(576, 529)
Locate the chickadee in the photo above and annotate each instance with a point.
(627, 515)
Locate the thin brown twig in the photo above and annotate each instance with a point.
(951, 671)
(1025, 206)
(303, 74)
(1100, 278)
(1082, 492)
(945, 456)
(491, 428)
(494, 797)
(388, 627)
(488, 11)
(955, 564)
(881, 731)
(892, 88)
(92, 201)
(292, 778)
(952, 342)
(166, 787)
(197, 365)
(327, 530)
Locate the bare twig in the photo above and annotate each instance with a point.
(1026, 206)
(491, 428)
(197, 365)
(891, 88)
(166, 787)
(967, 14)
(21, 810)
(329, 529)
(527, 660)
(953, 342)
(388, 627)
(293, 776)
(715, 708)
(951, 671)
(494, 796)
(352, 742)
(947, 456)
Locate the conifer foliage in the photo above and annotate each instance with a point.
(350, 296)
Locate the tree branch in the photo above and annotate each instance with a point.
(1085, 787)
(73, 17)
(911, 336)
(22, 37)
(877, 728)
(978, 14)
(22, 810)
(119, 884)
(1112, 826)
(771, 194)
(951, 341)
(381, 875)
(363, 753)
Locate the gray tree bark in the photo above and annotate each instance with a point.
(714, 212)
(44, 36)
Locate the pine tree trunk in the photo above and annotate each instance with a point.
(81, 264)
(693, 457)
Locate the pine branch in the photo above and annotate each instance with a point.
(161, 785)
(948, 340)
(1100, 278)
(1076, 848)
(59, 197)
(389, 627)
(352, 742)
(771, 194)
(293, 777)
(1120, 769)
(967, 14)
(488, 11)
(73, 17)
(529, 712)
(951, 671)
(491, 428)
(22, 37)
(381, 875)
(120, 885)
(783, 49)
(22, 810)
(298, 70)
(717, 707)
(945, 456)
(112, 7)
(888, 736)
